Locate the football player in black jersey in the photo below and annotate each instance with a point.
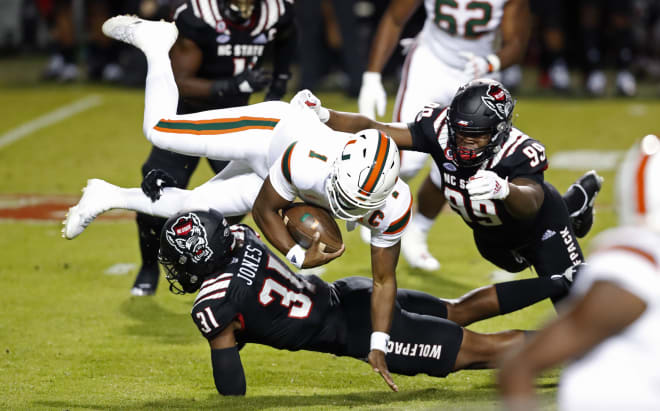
(216, 63)
(246, 294)
(492, 175)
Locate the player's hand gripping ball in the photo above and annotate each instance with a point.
(303, 220)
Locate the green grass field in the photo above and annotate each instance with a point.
(73, 338)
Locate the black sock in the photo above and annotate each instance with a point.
(515, 295)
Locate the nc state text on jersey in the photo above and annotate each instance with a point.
(241, 50)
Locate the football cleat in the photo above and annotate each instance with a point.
(91, 204)
(146, 35)
(416, 252)
(582, 219)
(146, 281)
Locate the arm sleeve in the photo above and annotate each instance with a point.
(426, 128)
(228, 371)
(527, 160)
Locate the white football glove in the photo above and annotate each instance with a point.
(372, 94)
(477, 66)
(306, 99)
(487, 185)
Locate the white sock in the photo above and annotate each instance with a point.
(422, 223)
(161, 94)
(166, 206)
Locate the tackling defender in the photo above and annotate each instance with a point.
(246, 294)
(492, 175)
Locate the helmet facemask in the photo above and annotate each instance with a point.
(481, 107)
(194, 245)
(238, 11)
(363, 175)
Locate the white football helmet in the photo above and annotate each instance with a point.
(638, 184)
(363, 175)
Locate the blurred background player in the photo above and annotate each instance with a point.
(609, 334)
(456, 44)
(216, 63)
(607, 22)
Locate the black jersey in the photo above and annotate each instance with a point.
(275, 306)
(520, 156)
(229, 49)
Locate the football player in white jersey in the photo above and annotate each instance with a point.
(355, 177)
(458, 43)
(610, 334)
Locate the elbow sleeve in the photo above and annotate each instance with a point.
(228, 371)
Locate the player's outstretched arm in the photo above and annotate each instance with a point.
(228, 371)
(383, 270)
(593, 319)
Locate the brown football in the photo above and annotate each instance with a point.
(303, 220)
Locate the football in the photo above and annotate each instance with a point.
(303, 220)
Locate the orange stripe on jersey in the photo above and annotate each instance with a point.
(641, 253)
(641, 184)
(378, 166)
(402, 222)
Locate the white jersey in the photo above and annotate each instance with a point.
(461, 25)
(623, 372)
(304, 169)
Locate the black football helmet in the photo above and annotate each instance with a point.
(238, 11)
(482, 106)
(193, 245)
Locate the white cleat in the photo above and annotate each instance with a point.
(146, 35)
(92, 203)
(416, 252)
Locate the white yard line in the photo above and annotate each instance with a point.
(49, 118)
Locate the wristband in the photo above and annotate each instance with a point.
(324, 114)
(379, 341)
(296, 255)
(494, 63)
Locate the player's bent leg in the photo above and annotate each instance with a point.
(154, 38)
(232, 197)
(480, 351)
(237, 133)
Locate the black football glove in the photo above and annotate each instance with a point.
(248, 81)
(277, 87)
(155, 181)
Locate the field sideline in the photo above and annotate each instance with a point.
(72, 337)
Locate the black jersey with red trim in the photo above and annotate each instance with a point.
(519, 156)
(275, 306)
(227, 48)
